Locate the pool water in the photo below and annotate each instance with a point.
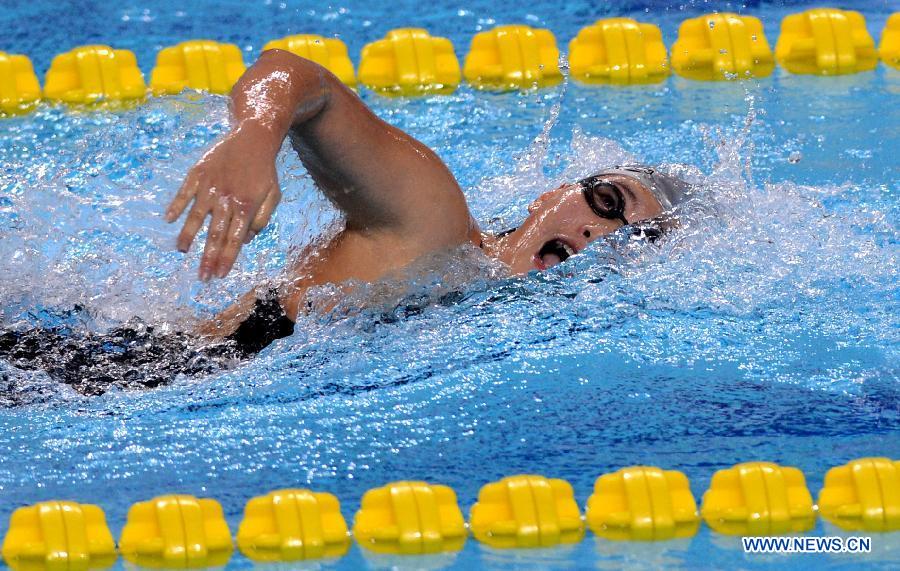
(766, 328)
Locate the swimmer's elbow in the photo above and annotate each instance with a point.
(286, 60)
(299, 68)
(284, 88)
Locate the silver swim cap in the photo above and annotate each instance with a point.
(668, 189)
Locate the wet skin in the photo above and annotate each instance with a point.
(399, 200)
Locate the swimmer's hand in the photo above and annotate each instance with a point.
(235, 183)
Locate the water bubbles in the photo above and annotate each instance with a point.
(111, 172)
(771, 300)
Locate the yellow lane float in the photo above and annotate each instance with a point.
(203, 65)
(408, 61)
(758, 498)
(330, 53)
(722, 46)
(889, 49)
(642, 503)
(293, 525)
(19, 87)
(89, 74)
(526, 511)
(405, 518)
(58, 536)
(825, 41)
(410, 518)
(863, 495)
(176, 531)
(513, 57)
(618, 50)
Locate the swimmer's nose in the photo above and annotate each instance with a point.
(543, 200)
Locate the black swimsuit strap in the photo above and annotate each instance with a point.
(266, 323)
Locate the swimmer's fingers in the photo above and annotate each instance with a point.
(193, 223)
(233, 243)
(183, 197)
(265, 210)
(215, 239)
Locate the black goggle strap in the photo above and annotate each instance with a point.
(652, 229)
(647, 233)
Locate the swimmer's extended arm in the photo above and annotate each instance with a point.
(393, 189)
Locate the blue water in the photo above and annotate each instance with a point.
(764, 329)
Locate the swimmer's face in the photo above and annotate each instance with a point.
(563, 221)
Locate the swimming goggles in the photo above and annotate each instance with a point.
(607, 201)
(604, 198)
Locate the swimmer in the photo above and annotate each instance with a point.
(399, 200)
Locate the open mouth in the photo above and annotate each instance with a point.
(553, 252)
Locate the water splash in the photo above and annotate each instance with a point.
(87, 232)
(764, 328)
